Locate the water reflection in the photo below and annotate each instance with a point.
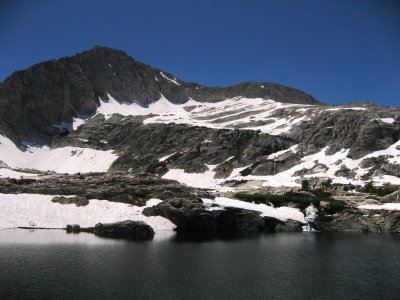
(50, 264)
(200, 237)
(58, 236)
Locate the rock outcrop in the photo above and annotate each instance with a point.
(125, 229)
(356, 220)
(361, 131)
(139, 153)
(77, 200)
(115, 187)
(190, 216)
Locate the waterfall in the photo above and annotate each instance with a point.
(311, 213)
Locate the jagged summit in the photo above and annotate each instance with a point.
(56, 91)
(203, 93)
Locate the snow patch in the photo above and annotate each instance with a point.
(345, 108)
(164, 158)
(174, 81)
(386, 206)
(203, 180)
(279, 153)
(281, 213)
(386, 120)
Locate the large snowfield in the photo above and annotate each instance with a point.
(35, 210)
(60, 160)
(246, 113)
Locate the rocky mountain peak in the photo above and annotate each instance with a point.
(33, 101)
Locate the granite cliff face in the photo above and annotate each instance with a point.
(56, 91)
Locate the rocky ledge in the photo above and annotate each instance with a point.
(190, 216)
(358, 220)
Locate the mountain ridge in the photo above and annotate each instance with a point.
(112, 128)
(90, 102)
(56, 91)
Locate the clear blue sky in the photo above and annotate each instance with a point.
(339, 50)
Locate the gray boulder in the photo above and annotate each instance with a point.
(75, 228)
(355, 220)
(128, 229)
(77, 200)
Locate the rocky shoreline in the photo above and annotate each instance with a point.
(185, 207)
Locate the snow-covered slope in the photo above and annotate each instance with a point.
(318, 165)
(61, 160)
(321, 165)
(239, 112)
(268, 116)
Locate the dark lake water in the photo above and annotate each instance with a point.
(55, 265)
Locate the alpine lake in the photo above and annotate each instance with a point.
(51, 264)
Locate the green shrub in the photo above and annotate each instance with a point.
(305, 185)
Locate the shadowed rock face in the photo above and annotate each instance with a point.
(130, 138)
(355, 220)
(189, 216)
(49, 93)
